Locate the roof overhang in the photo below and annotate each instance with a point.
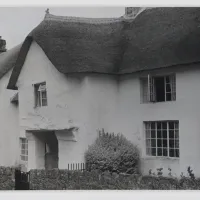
(19, 63)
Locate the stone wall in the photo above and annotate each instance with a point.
(7, 178)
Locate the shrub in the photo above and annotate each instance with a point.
(112, 153)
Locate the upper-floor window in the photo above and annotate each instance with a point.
(162, 138)
(40, 94)
(158, 88)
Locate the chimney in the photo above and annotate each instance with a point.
(2, 45)
(132, 12)
(46, 13)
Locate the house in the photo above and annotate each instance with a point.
(136, 75)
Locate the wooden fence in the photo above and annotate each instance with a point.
(76, 166)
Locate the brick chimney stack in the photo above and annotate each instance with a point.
(2, 45)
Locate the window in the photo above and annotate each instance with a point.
(162, 138)
(158, 88)
(40, 95)
(24, 149)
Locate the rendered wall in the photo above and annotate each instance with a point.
(9, 125)
(78, 102)
(91, 102)
(132, 114)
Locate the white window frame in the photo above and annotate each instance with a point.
(40, 89)
(24, 149)
(149, 138)
(151, 94)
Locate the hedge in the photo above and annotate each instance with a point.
(7, 178)
(95, 180)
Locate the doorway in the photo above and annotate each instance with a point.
(46, 149)
(51, 151)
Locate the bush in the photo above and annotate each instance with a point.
(112, 153)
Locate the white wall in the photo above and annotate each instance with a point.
(78, 101)
(9, 125)
(91, 102)
(185, 109)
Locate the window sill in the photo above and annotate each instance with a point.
(159, 158)
(39, 107)
(159, 102)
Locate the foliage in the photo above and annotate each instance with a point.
(98, 180)
(112, 153)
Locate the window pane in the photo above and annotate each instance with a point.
(159, 152)
(164, 134)
(168, 96)
(176, 134)
(164, 125)
(38, 103)
(172, 152)
(23, 152)
(23, 146)
(171, 143)
(164, 151)
(153, 134)
(145, 89)
(159, 143)
(171, 134)
(159, 134)
(177, 152)
(44, 102)
(153, 126)
(158, 125)
(168, 88)
(153, 151)
(167, 79)
(164, 143)
(171, 125)
(44, 94)
(153, 143)
(177, 143)
(176, 125)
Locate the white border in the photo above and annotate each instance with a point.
(79, 3)
(95, 195)
(33, 195)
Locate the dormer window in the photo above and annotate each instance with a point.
(40, 94)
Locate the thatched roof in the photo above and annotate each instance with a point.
(8, 59)
(156, 38)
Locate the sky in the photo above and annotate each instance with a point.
(17, 22)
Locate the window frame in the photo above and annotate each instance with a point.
(176, 131)
(149, 96)
(24, 156)
(38, 94)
